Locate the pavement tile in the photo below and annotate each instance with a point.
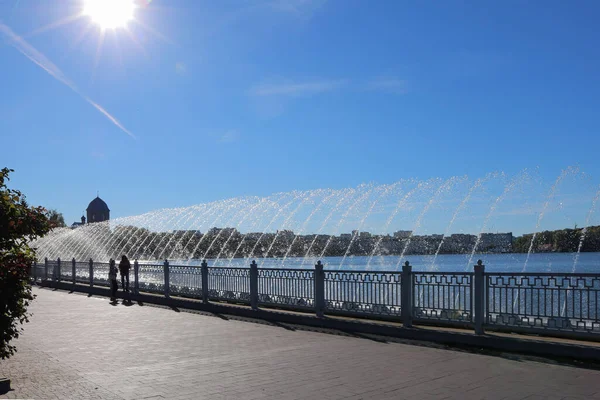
(79, 347)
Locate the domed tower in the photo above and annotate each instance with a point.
(97, 211)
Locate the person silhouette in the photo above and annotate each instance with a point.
(112, 277)
(124, 267)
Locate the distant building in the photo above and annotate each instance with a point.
(78, 224)
(346, 236)
(286, 233)
(97, 211)
(496, 242)
(365, 235)
(402, 234)
(188, 231)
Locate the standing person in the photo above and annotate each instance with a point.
(112, 277)
(124, 267)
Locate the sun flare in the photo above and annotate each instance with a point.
(110, 14)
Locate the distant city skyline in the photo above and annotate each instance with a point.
(194, 102)
(493, 204)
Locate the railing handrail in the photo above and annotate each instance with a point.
(537, 302)
(548, 274)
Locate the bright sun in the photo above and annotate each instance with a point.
(109, 14)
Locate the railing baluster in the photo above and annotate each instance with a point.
(407, 295)
(74, 270)
(91, 263)
(166, 272)
(204, 271)
(136, 277)
(254, 285)
(479, 297)
(319, 277)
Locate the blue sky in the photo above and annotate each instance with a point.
(235, 98)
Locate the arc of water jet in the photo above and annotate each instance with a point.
(296, 196)
(166, 215)
(224, 208)
(155, 219)
(67, 237)
(344, 216)
(154, 232)
(581, 240)
(49, 241)
(184, 218)
(146, 231)
(109, 236)
(361, 223)
(88, 241)
(306, 222)
(226, 225)
(246, 215)
(195, 222)
(129, 230)
(94, 247)
(190, 223)
(285, 222)
(507, 189)
(541, 215)
(178, 216)
(584, 230)
(460, 207)
(95, 232)
(444, 185)
(400, 204)
(272, 203)
(325, 221)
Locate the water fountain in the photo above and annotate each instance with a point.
(294, 229)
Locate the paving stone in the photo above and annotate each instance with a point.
(79, 347)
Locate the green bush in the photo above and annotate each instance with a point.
(19, 224)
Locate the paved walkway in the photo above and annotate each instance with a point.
(79, 347)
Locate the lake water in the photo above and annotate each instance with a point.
(543, 262)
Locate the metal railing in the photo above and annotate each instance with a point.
(544, 301)
(443, 296)
(548, 303)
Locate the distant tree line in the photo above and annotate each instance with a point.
(142, 243)
(560, 241)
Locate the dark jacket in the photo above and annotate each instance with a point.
(124, 267)
(112, 273)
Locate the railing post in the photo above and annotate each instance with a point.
(407, 295)
(319, 289)
(46, 268)
(254, 285)
(166, 269)
(35, 270)
(136, 277)
(91, 272)
(479, 297)
(204, 270)
(74, 266)
(58, 269)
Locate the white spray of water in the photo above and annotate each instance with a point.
(462, 204)
(549, 198)
(584, 230)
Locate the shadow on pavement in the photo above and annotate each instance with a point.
(372, 337)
